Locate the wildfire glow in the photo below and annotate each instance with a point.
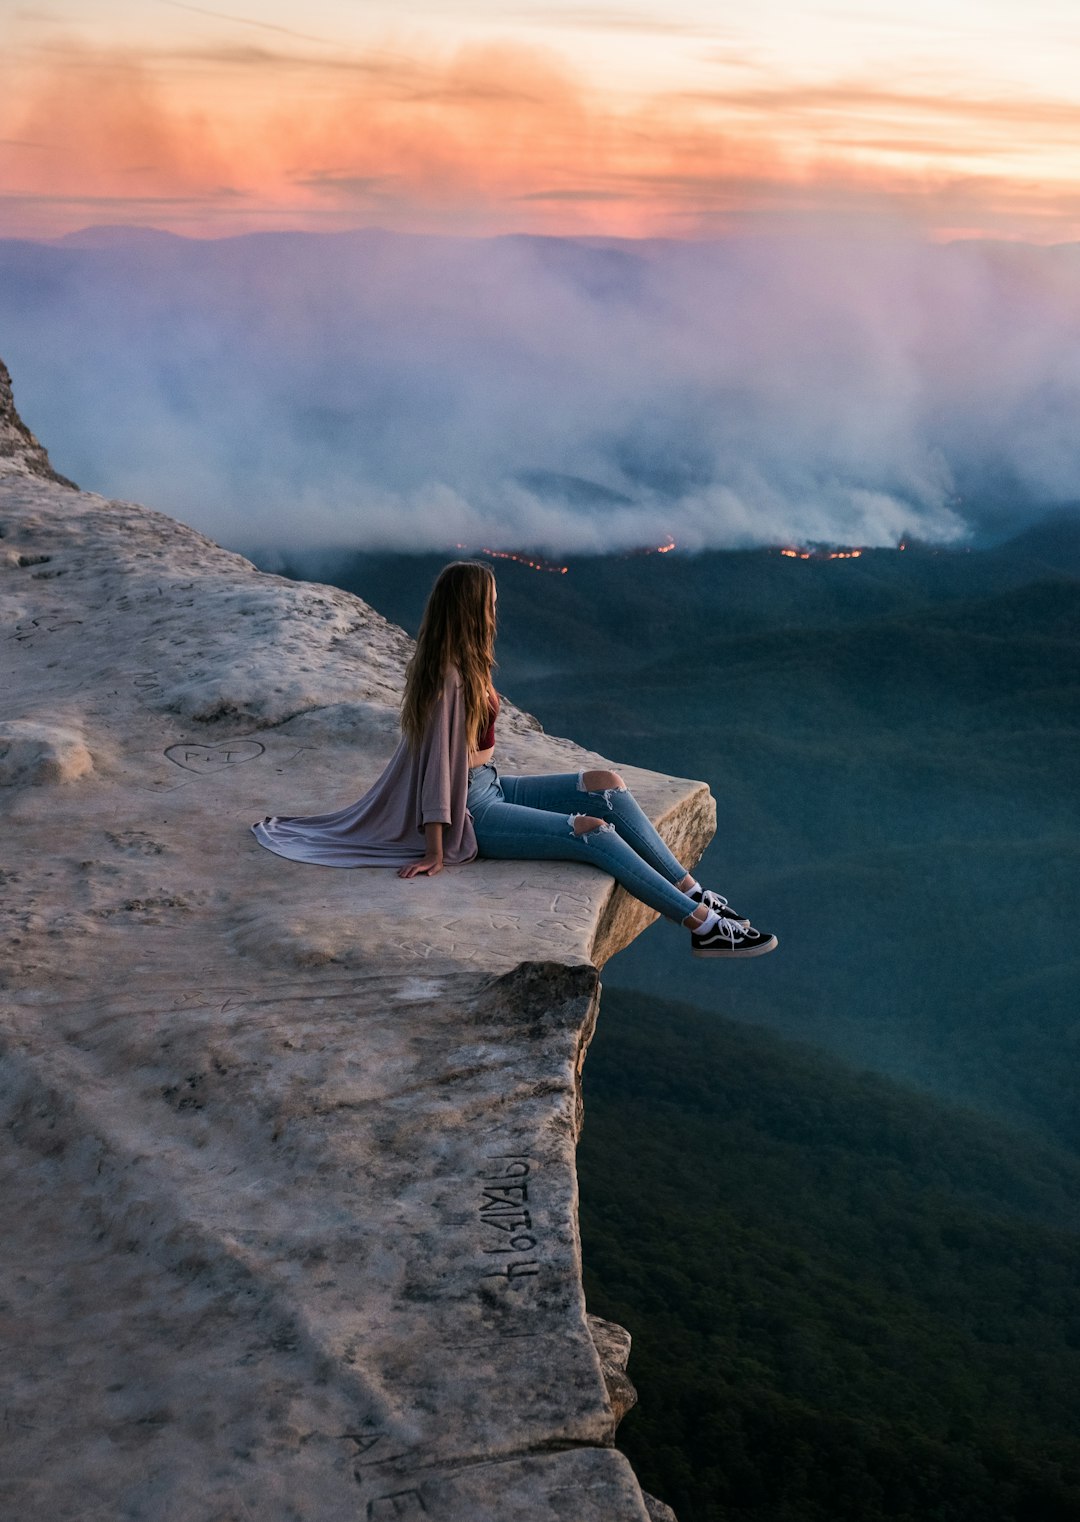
(534, 562)
(539, 563)
(793, 554)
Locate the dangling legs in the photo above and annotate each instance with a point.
(633, 824)
(602, 794)
(509, 828)
(511, 831)
(608, 797)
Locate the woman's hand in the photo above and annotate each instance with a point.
(433, 854)
(430, 864)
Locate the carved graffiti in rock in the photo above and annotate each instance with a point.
(214, 758)
(505, 1213)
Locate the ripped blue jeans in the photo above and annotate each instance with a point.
(532, 819)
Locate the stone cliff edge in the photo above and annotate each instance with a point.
(289, 1152)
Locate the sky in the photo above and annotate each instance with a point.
(941, 118)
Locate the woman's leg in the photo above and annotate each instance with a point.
(615, 804)
(513, 831)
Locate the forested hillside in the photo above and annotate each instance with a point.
(847, 1301)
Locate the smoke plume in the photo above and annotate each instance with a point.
(373, 390)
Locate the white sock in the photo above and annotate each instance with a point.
(695, 887)
(707, 923)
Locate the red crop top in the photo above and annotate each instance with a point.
(487, 739)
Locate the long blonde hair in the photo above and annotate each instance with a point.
(458, 626)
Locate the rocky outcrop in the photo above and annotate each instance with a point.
(291, 1225)
(612, 1342)
(19, 450)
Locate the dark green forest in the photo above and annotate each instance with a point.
(832, 1192)
(847, 1301)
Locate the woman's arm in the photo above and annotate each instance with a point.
(433, 856)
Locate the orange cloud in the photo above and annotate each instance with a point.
(106, 134)
(491, 138)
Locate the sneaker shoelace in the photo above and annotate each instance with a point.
(727, 928)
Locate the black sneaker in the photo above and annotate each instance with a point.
(718, 902)
(731, 938)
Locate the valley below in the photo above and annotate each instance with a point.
(833, 1190)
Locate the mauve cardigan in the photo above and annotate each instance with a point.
(385, 828)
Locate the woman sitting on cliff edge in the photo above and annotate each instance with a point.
(442, 801)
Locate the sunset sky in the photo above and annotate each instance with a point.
(951, 118)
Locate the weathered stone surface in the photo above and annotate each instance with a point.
(31, 752)
(19, 450)
(612, 1342)
(288, 1158)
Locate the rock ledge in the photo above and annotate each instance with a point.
(292, 1209)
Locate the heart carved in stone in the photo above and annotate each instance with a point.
(214, 758)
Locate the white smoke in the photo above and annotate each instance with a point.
(381, 391)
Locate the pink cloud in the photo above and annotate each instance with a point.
(494, 138)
